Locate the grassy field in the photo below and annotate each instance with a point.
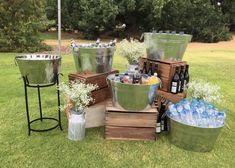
(53, 149)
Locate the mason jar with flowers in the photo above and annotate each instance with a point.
(77, 96)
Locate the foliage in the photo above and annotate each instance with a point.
(78, 93)
(20, 23)
(132, 50)
(197, 17)
(205, 20)
(200, 89)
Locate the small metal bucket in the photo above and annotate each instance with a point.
(131, 96)
(96, 60)
(165, 46)
(39, 69)
(193, 138)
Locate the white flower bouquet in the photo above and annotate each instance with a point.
(77, 95)
(132, 50)
(200, 89)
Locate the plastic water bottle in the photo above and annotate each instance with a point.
(117, 78)
(220, 118)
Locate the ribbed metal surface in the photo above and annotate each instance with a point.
(97, 60)
(163, 46)
(131, 96)
(193, 138)
(39, 69)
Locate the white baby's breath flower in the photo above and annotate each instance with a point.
(78, 93)
(200, 89)
(132, 50)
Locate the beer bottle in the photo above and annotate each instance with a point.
(181, 81)
(145, 71)
(150, 70)
(162, 112)
(156, 69)
(186, 76)
(175, 81)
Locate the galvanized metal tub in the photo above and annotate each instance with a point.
(39, 69)
(193, 138)
(165, 46)
(97, 60)
(132, 96)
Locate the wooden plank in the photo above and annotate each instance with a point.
(131, 119)
(166, 70)
(111, 108)
(129, 133)
(99, 79)
(101, 95)
(169, 96)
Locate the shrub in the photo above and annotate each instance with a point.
(20, 23)
(197, 17)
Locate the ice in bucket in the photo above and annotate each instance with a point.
(196, 113)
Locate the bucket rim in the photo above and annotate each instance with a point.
(33, 57)
(95, 48)
(177, 34)
(108, 77)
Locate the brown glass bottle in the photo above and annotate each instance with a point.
(186, 76)
(175, 81)
(181, 81)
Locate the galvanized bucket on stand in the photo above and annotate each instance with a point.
(193, 138)
(39, 69)
(131, 96)
(165, 46)
(93, 59)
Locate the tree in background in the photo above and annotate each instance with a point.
(20, 22)
(204, 19)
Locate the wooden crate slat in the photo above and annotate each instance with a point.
(101, 95)
(129, 133)
(103, 92)
(111, 108)
(131, 119)
(166, 70)
(169, 96)
(99, 79)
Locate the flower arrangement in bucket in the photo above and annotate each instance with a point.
(132, 50)
(77, 98)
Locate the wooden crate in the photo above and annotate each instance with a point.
(103, 92)
(129, 125)
(174, 98)
(166, 70)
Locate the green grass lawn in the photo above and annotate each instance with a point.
(53, 149)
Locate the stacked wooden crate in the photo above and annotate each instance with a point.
(166, 71)
(130, 125)
(103, 91)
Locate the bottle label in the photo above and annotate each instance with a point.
(158, 128)
(179, 89)
(185, 84)
(174, 87)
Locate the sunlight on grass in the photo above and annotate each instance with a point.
(53, 149)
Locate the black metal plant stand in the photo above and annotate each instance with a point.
(26, 84)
